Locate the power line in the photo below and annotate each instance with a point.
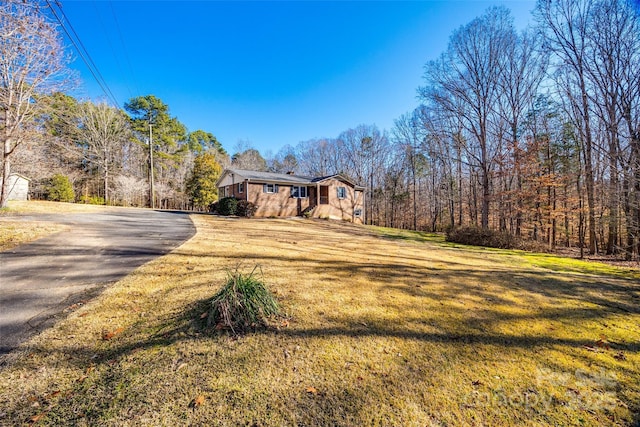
(124, 49)
(113, 50)
(82, 51)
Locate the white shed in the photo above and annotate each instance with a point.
(18, 187)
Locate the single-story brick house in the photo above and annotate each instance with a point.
(286, 195)
(18, 187)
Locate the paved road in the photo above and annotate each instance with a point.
(38, 280)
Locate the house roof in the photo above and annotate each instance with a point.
(19, 175)
(268, 176)
(283, 178)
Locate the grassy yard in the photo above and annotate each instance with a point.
(383, 327)
(14, 233)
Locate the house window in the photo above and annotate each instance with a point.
(225, 191)
(241, 187)
(357, 213)
(299, 192)
(270, 188)
(342, 192)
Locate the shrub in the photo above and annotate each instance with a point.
(482, 237)
(243, 303)
(246, 208)
(92, 200)
(228, 206)
(60, 189)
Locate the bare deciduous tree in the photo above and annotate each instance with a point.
(102, 135)
(565, 26)
(32, 63)
(465, 82)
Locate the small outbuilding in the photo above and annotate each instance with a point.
(286, 195)
(18, 187)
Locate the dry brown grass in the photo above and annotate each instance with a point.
(15, 233)
(385, 328)
(17, 207)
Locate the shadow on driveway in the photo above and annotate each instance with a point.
(38, 280)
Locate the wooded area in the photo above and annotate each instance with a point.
(533, 133)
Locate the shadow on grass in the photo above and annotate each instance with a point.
(188, 325)
(426, 285)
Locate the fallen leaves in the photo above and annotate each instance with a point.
(603, 343)
(311, 390)
(620, 356)
(36, 418)
(107, 335)
(197, 401)
(86, 374)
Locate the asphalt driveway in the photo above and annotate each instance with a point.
(40, 279)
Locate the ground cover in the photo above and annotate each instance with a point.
(17, 207)
(14, 233)
(382, 327)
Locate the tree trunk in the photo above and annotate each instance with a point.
(6, 170)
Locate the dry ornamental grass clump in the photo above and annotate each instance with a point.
(243, 303)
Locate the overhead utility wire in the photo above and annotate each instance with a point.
(82, 51)
(124, 49)
(116, 59)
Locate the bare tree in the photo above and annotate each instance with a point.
(565, 26)
(32, 63)
(130, 190)
(465, 81)
(318, 157)
(102, 135)
(407, 135)
(524, 69)
(614, 49)
(364, 156)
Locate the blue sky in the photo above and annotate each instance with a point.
(271, 73)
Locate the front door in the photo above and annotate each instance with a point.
(324, 194)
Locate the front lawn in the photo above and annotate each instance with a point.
(382, 328)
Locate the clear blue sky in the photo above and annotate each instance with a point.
(272, 73)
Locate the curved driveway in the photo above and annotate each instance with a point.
(38, 280)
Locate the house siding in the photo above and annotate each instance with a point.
(342, 209)
(276, 204)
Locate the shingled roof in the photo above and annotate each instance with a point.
(271, 177)
(284, 178)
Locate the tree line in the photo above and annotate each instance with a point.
(534, 133)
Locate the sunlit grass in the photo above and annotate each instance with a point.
(15, 233)
(382, 327)
(16, 207)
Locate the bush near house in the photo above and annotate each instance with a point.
(227, 206)
(231, 206)
(60, 189)
(246, 208)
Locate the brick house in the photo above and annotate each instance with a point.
(287, 195)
